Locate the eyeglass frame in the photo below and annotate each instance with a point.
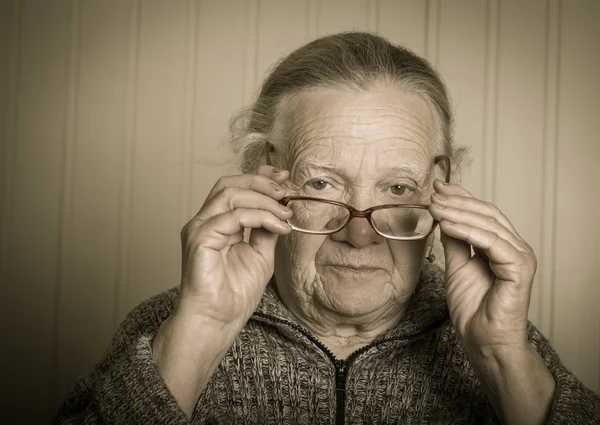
(353, 212)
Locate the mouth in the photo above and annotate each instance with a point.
(350, 268)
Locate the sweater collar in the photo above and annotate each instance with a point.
(427, 308)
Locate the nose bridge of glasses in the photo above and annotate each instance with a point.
(359, 213)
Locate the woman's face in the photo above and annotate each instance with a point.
(363, 149)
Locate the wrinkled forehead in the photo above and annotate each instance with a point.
(360, 132)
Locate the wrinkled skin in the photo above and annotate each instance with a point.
(366, 137)
(345, 145)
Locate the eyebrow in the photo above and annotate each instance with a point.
(412, 169)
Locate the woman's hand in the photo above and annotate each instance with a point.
(489, 292)
(488, 298)
(223, 277)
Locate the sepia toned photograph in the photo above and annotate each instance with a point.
(300, 212)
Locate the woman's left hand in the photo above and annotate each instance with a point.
(488, 293)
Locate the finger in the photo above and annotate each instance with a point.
(440, 211)
(260, 184)
(275, 174)
(218, 231)
(497, 249)
(450, 189)
(470, 203)
(456, 252)
(232, 198)
(263, 241)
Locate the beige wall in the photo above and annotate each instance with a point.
(112, 112)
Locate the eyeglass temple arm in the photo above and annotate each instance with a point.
(268, 152)
(448, 166)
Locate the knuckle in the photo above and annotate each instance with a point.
(228, 192)
(533, 260)
(188, 229)
(259, 182)
(529, 249)
(222, 182)
(495, 237)
(493, 221)
(183, 234)
(492, 209)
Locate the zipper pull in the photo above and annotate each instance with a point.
(340, 375)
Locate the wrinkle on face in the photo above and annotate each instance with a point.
(354, 137)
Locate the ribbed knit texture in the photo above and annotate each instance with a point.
(274, 374)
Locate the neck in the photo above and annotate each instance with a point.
(341, 334)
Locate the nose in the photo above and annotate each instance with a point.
(358, 233)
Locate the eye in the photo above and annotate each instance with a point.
(398, 189)
(318, 184)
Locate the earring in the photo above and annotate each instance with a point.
(430, 257)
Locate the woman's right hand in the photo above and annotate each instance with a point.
(223, 277)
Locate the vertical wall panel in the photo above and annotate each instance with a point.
(461, 61)
(342, 15)
(91, 224)
(128, 149)
(312, 20)
(490, 103)
(432, 30)
(251, 27)
(404, 22)
(220, 91)
(576, 319)
(519, 150)
(10, 35)
(32, 234)
(282, 28)
(190, 105)
(547, 252)
(153, 247)
(7, 76)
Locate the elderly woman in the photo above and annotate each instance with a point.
(333, 310)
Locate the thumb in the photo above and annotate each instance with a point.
(263, 242)
(456, 252)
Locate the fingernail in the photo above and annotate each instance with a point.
(277, 170)
(440, 196)
(277, 187)
(446, 222)
(442, 182)
(439, 206)
(285, 209)
(286, 224)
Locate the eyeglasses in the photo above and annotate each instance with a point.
(318, 216)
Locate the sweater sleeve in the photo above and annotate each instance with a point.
(573, 403)
(125, 387)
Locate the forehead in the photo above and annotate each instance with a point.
(360, 130)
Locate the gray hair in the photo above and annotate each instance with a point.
(351, 60)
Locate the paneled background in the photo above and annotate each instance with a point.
(113, 113)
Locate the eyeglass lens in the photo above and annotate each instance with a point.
(321, 217)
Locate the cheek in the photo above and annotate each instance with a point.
(297, 251)
(408, 256)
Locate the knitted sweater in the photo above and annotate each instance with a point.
(276, 372)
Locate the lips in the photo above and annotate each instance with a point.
(354, 267)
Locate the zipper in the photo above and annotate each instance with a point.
(340, 391)
(341, 366)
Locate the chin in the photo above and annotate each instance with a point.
(355, 297)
